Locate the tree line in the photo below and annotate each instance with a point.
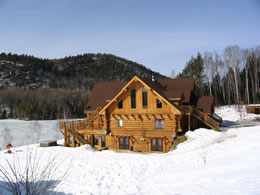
(232, 77)
(42, 103)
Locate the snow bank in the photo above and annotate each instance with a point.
(234, 113)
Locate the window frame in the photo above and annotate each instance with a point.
(103, 141)
(155, 146)
(133, 98)
(120, 122)
(144, 97)
(120, 105)
(159, 123)
(126, 143)
(158, 103)
(95, 138)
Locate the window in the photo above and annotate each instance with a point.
(70, 140)
(96, 140)
(120, 104)
(103, 141)
(124, 143)
(159, 123)
(133, 98)
(156, 144)
(145, 98)
(120, 122)
(158, 103)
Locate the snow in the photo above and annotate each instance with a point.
(209, 162)
(234, 113)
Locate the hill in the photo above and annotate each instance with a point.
(70, 72)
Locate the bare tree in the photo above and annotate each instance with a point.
(37, 175)
(246, 58)
(209, 69)
(232, 59)
(219, 68)
(173, 75)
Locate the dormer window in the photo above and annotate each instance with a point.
(145, 97)
(133, 98)
(158, 103)
(120, 104)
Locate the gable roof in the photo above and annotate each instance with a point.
(173, 88)
(166, 88)
(205, 103)
(102, 92)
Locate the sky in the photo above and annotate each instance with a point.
(160, 34)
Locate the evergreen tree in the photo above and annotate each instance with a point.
(194, 68)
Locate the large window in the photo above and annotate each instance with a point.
(120, 122)
(157, 144)
(145, 98)
(133, 98)
(96, 140)
(159, 123)
(124, 143)
(120, 104)
(158, 103)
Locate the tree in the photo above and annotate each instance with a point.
(173, 75)
(209, 69)
(232, 56)
(194, 68)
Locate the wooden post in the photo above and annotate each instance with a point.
(65, 134)
(163, 143)
(189, 122)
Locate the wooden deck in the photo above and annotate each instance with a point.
(77, 130)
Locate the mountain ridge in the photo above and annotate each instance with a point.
(80, 71)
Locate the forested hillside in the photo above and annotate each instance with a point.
(77, 72)
(34, 88)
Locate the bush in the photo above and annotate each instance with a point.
(37, 175)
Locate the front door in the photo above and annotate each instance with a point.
(157, 144)
(124, 143)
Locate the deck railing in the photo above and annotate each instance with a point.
(81, 125)
(208, 120)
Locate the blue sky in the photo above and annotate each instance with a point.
(160, 34)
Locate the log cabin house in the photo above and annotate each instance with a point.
(140, 115)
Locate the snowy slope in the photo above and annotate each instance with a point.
(209, 162)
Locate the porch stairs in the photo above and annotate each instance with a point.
(67, 128)
(211, 121)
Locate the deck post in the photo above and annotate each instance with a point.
(65, 134)
(189, 121)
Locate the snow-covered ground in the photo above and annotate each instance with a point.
(209, 162)
(234, 113)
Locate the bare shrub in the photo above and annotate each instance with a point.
(36, 175)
